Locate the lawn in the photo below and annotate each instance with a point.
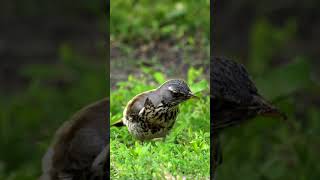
(186, 150)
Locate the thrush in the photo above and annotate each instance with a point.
(235, 99)
(152, 114)
(80, 148)
(234, 96)
(99, 169)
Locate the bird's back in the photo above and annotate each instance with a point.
(137, 103)
(147, 117)
(230, 81)
(78, 142)
(234, 96)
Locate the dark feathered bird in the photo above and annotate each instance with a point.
(80, 148)
(234, 96)
(99, 166)
(152, 114)
(234, 100)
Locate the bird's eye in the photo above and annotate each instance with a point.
(177, 94)
(173, 90)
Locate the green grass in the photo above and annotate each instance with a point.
(134, 21)
(185, 151)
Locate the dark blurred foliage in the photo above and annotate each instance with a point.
(278, 43)
(53, 62)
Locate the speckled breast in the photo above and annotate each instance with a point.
(152, 123)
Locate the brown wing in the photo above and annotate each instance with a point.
(138, 102)
(148, 104)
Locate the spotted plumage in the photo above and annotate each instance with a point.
(153, 113)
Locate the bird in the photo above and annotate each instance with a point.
(234, 100)
(99, 168)
(80, 147)
(152, 114)
(234, 96)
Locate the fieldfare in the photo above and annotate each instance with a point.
(152, 114)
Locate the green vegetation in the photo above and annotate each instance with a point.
(134, 21)
(267, 148)
(186, 150)
(152, 33)
(30, 118)
(150, 42)
(164, 35)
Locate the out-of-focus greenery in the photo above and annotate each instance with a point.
(152, 41)
(186, 150)
(268, 148)
(266, 41)
(169, 36)
(30, 118)
(150, 20)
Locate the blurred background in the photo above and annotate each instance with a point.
(53, 62)
(162, 36)
(150, 43)
(278, 43)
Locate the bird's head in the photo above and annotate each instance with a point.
(175, 91)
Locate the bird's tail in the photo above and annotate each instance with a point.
(118, 123)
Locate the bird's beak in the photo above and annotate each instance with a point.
(191, 95)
